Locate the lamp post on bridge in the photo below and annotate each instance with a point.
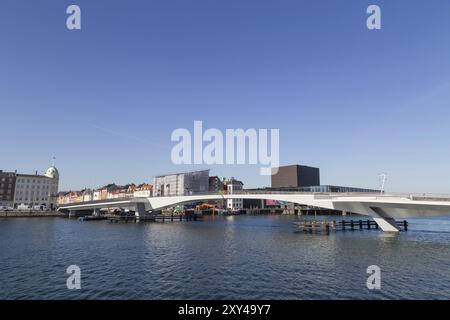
(383, 178)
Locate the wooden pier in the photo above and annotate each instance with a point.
(342, 225)
(122, 218)
(30, 214)
(155, 218)
(92, 218)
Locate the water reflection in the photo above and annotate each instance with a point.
(235, 257)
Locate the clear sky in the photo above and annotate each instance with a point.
(104, 100)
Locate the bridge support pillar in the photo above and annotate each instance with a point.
(139, 210)
(73, 213)
(384, 220)
(387, 224)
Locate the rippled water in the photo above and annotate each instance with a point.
(241, 257)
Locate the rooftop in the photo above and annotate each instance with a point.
(182, 173)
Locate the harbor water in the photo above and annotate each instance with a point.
(234, 257)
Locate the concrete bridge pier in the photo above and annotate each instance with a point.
(384, 220)
(139, 210)
(73, 213)
(387, 224)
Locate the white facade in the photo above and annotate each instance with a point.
(142, 193)
(34, 190)
(181, 183)
(234, 204)
(87, 197)
(97, 195)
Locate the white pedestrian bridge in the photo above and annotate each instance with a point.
(383, 208)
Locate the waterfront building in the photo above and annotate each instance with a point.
(60, 197)
(66, 197)
(7, 187)
(143, 190)
(76, 196)
(295, 176)
(180, 184)
(216, 184)
(105, 192)
(310, 189)
(96, 195)
(110, 191)
(253, 203)
(320, 189)
(329, 188)
(234, 185)
(63, 197)
(130, 188)
(87, 195)
(119, 193)
(34, 189)
(114, 194)
(115, 191)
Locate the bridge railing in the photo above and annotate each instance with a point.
(317, 195)
(329, 195)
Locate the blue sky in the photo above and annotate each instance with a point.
(104, 100)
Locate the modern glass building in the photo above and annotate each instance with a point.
(181, 184)
(322, 189)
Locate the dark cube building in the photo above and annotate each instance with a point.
(7, 188)
(296, 176)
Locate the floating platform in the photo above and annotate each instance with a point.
(92, 218)
(155, 218)
(124, 218)
(343, 225)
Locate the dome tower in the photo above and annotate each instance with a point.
(52, 173)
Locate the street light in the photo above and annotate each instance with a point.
(383, 178)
